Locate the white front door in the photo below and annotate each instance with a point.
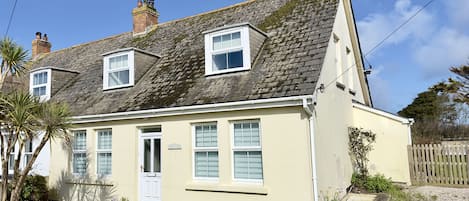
(150, 167)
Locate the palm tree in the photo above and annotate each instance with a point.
(24, 117)
(13, 58)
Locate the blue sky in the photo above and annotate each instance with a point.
(413, 59)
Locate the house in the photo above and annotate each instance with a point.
(41, 166)
(248, 102)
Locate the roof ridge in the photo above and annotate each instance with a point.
(91, 42)
(208, 12)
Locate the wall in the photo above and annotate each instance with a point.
(389, 155)
(333, 114)
(285, 152)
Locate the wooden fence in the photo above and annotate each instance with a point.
(434, 164)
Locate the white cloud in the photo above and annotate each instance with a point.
(457, 11)
(445, 49)
(376, 27)
(380, 89)
(438, 38)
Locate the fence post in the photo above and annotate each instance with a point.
(410, 156)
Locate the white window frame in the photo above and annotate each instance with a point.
(98, 151)
(47, 84)
(338, 59)
(250, 148)
(204, 149)
(84, 151)
(131, 67)
(351, 71)
(245, 46)
(26, 152)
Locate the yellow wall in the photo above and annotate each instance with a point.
(285, 152)
(389, 155)
(334, 115)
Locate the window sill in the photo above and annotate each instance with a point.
(241, 189)
(340, 86)
(117, 87)
(230, 71)
(89, 183)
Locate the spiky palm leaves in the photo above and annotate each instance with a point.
(24, 117)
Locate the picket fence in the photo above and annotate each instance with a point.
(442, 165)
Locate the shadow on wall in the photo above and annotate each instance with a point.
(70, 187)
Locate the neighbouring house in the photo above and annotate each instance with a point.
(42, 163)
(248, 102)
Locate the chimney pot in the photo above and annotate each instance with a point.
(40, 45)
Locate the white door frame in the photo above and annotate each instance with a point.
(141, 137)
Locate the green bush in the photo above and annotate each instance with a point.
(373, 184)
(35, 188)
(378, 184)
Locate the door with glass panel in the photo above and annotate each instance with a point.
(150, 166)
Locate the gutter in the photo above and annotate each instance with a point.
(312, 145)
(195, 109)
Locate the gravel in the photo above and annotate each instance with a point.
(442, 193)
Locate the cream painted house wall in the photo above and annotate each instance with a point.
(389, 156)
(285, 152)
(334, 112)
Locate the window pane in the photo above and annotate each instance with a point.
(236, 39)
(79, 163)
(219, 62)
(226, 41)
(40, 78)
(39, 91)
(79, 140)
(104, 163)
(11, 162)
(157, 155)
(118, 78)
(248, 165)
(235, 59)
(28, 147)
(217, 43)
(28, 158)
(206, 136)
(118, 62)
(105, 139)
(146, 155)
(206, 164)
(246, 134)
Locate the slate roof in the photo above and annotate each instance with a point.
(288, 65)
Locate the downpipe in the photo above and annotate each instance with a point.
(310, 114)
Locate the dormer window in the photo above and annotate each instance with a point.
(232, 48)
(40, 84)
(227, 51)
(118, 70)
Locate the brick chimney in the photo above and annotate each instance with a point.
(41, 45)
(145, 17)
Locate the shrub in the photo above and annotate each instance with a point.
(360, 144)
(35, 188)
(378, 184)
(373, 184)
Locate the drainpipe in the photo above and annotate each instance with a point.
(310, 114)
(411, 122)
